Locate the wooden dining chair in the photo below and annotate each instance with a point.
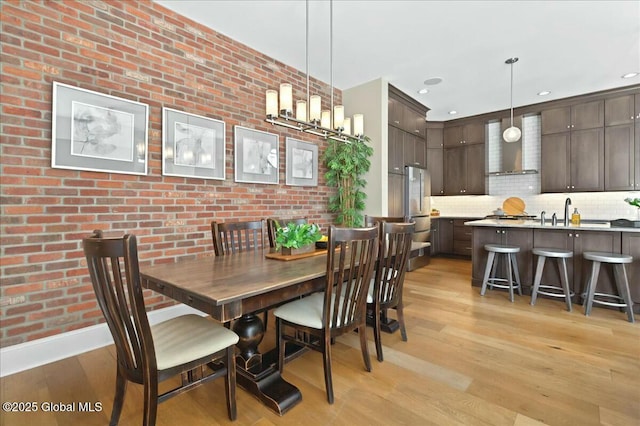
(316, 320)
(385, 290)
(375, 220)
(273, 224)
(192, 346)
(234, 237)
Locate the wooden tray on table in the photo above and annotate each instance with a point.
(280, 256)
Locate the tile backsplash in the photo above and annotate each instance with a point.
(591, 205)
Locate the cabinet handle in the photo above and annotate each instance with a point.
(573, 125)
(570, 235)
(498, 231)
(577, 235)
(572, 186)
(397, 122)
(568, 127)
(417, 131)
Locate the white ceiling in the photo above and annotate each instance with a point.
(566, 47)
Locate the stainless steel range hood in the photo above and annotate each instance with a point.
(512, 154)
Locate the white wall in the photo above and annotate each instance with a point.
(371, 99)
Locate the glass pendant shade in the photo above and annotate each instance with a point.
(358, 124)
(512, 134)
(301, 110)
(346, 126)
(272, 103)
(338, 117)
(286, 97)
(314, 108)
(325, 120)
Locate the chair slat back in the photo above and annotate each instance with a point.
(393, 255)
(234, 237)
(115, 275)
(375, 220)
(349, 272)
(273, 224)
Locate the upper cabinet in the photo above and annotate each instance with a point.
(621, 110)
(622, 143)
(582, 116)
(406, 132)
(466, 134)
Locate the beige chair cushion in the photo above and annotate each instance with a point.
(306, 311)
(187, 338)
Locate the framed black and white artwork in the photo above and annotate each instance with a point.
(98, 132)
(192, 145)
(302, 163)
(256, 156)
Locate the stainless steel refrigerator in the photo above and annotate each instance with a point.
(417, 205)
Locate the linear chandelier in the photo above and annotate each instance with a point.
(313, 119)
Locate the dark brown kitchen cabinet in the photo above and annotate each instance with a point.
(622, 143)
(521, 237)
(631, 246)
(466, 134)
(464, 170)
(461, 238)
(619, 158)
(395, 194)
(435, 135)
(414, 122)
(573, 161)
(395, 112)
(579, 269)
(621, 110)
(445, 237)
(435, 168)
(396, 150)
(435, 236)
(586, 115)
(415, 150)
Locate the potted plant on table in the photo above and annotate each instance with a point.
(346, 163)
(297, 239)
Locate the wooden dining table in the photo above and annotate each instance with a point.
(237, 287)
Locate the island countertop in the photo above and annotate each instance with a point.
(588, 225)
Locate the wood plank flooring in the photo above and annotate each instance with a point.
(470, 360)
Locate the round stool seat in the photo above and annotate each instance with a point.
(552, 252)
(598, 256)
(501, 248)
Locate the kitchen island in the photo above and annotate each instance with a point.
(587, 236)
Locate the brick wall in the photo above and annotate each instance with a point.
(139, 51)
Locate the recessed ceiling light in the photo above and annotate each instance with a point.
(423, 91)
(453, 112)
(630, 75)
(544, 93)
(433, 81)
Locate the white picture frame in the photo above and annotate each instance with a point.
(193, 146)
(256, 156)
(301, 163)
(98, 132)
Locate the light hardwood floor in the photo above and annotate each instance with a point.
(470, 360)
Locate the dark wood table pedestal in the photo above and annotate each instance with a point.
(388, 325)
(258, 373)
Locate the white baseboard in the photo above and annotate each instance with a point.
(24, 356)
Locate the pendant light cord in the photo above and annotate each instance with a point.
(306, 48)
(512, 93)
(331, 59)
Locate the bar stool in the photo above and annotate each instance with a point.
(512, 269)
(623, 298)
(561, 257)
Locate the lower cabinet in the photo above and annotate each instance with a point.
(631, 246)
(452, 235)
(521, 237)
(579, 269)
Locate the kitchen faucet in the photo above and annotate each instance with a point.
(567, 203)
